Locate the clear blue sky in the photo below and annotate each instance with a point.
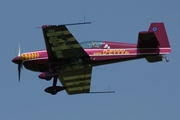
(144, 91)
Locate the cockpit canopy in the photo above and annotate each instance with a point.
(92, 44)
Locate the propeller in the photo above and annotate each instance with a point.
(20, 63)
(18, 60)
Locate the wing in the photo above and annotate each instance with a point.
(61, 44)
(76, 81)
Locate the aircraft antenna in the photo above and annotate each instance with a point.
(108, 89)
(84, 18)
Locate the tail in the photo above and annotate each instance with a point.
(155, 37)
(160, 33)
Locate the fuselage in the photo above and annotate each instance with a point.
(100, 53)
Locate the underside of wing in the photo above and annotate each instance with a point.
(76, 81)
(61, 44)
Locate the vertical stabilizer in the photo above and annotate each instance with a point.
(160, 33)
(155, 37)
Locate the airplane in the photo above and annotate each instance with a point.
(71, 62)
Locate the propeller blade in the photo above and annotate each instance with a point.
(19, 50)
(19, 71)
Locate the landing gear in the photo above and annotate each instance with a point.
(54, 89)
(48, 75)
(51, 90)
(163, 56)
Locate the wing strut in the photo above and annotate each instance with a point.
(99, 92)
(77, 23)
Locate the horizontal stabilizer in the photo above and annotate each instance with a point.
(147, 40)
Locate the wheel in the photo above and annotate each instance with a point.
(54, 92)
(48, 79)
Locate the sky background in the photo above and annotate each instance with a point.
(144, 91)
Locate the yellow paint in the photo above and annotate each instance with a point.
(32, 56)
(37, 55)
(97, 53)
(23, 57)
(112, 52)
(27, 56)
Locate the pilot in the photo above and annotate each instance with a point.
(93, 44)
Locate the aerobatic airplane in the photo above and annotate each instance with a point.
(71, 62)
